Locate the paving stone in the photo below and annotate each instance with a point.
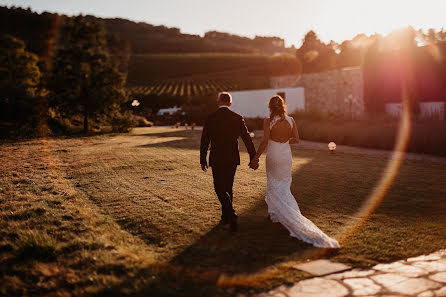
(388, 279)
(423, 276)
(426, 294)
(442, 253)
(401, 269)
(280, 292)
(430, 257)
(403, 285)
(338, 276)
(434, 266)
(321, 267)
(318, 287)
(358, 273)
(441, 292)
(355, 273)
(439, 277)
(362, 286)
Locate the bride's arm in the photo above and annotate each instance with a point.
(294, 134)
(264, 142)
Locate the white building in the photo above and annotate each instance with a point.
(254, 103)
(432, 110)
(428, 110)
(394, 109)
(168, 111)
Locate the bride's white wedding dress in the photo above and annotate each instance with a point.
(282, 207)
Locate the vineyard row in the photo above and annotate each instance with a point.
(183, 88)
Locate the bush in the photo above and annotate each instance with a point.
(122, 121)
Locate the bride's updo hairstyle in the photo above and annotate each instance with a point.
(277, 107)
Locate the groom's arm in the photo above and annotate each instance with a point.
(204, 145)
(244, 133)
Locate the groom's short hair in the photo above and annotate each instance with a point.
(224, 97)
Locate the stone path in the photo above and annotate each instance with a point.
(423, 276)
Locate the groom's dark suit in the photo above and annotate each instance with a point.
(222, 130)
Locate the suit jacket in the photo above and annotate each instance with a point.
(222, 130)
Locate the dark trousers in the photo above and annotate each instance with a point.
(223, 180)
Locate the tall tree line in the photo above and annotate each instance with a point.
(76, 76)
(141, 38)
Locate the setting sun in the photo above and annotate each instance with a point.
(341, 20)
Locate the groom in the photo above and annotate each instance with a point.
(222, 130)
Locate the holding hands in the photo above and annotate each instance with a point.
(254, 164)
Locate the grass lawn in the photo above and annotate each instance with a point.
(132, 214)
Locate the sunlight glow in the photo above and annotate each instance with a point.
(389, 174)
(343, 19)
(289, 19)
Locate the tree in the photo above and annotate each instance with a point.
(84, 80)
(315, 55)
(19, 81)
(284, 64)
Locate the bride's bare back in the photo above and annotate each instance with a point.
(281, 131)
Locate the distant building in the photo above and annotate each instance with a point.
(168, 111)
(428, 110)
(254, 103)
(432, 110)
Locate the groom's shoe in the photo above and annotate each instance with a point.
(224, 220)
(233, 226)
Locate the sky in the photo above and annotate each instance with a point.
(336, 20)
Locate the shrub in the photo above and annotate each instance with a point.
(122, 121)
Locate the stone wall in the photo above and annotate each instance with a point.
(332, 92)
(284, 81)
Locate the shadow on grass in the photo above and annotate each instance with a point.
(182, 139)
(258, 244)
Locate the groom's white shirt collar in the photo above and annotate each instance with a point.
(223, 106)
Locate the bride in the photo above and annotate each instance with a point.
(279, 132)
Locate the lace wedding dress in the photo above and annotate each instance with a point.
(282, 207)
